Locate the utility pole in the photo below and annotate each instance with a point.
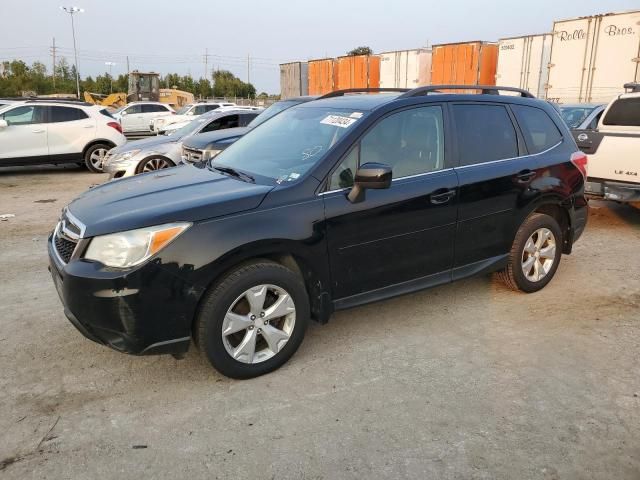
(71, 11)
(248, 68)
(127, 65)
(206, 63)
(53, 53)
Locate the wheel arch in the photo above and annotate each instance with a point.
(557, 208)
(154, 155)
(286, 253)
(97, 141)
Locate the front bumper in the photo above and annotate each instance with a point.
(144, 311)
(120, 169)
(616, 191)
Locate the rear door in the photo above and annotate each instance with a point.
(497, 176)
(149, 112)
(24, 140)
(132, 118)
(70, 130)
(401, 238)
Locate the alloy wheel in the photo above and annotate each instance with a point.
(539, 254)
(258, 324)
(154, 164)
(97, 158)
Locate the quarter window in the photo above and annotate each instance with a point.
(343, 176)
(540, 133)
(484, 133)
(66, 114)
(625, 112)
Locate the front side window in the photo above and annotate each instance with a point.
(153, 108)
(624, 112)
(540, 133)
(287, 146)
(484, 133)
(134, 109)
(411, 142)
(199, 110)
(184, 110)
(65, 114)
(24, 115)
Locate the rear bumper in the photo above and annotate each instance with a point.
(142, 312)
(616, 191)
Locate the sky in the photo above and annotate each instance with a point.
(169, 37)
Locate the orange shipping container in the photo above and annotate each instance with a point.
(361, 71)
(321, 76)
(471, 63)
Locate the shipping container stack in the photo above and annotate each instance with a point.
(405, 68)
(523, 63)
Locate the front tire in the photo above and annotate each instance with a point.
(253, 320)
(95, 155)
(535, 254)
(152, 164)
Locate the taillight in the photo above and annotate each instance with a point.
(580, 160)
(115, 125)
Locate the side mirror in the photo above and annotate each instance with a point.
(3, 123)
(370, 175)
(123, 113)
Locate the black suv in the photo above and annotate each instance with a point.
(331, 204)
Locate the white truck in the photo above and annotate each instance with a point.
(613, 150)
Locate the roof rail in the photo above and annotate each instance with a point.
(634, 87)
(341, 93)
(73, 101)
(485, 89)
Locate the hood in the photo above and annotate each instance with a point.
(203, 140)
(184, 193)
(145, 143)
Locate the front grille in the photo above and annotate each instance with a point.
(64, 247)
(192, 155)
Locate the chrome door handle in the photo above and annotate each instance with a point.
(88, 126)
(37, 131)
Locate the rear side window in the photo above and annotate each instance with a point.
(625, 112)
(484, 133)
(246, 118)
(65, 114)
(540, 133)
(230, 121)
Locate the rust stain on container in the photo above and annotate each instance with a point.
(471, 63)
(360, 71)
(321, 76)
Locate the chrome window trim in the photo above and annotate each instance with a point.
(511, 158)
(394, 179)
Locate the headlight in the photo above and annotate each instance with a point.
(126, 155)
(209, 154)
(127, 249)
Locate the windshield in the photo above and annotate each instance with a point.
(574, 116)
(187, 129)
(287, 146)
(272, 111)
(183, 110)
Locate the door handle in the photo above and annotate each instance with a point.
(38, 131)
(88, 126)
(442, 196)
(526, 176)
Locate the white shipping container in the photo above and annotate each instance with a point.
(405, 68)
(294, 79)
(593, 57)
(523, 63)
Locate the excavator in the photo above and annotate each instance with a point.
(142, 86)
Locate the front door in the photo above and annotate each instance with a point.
(24, 139)
(398, 239)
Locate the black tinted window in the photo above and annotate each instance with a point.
(246, 118)
(106, 113)
(540, 133)
(66, 114)
(153, 108)
(134, 109)
(484, 133)
(625, 111)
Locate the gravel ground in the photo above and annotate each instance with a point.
(467, 380)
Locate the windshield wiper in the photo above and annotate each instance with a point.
(235, 173)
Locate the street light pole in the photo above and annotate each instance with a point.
(71, 11)
(110, 64)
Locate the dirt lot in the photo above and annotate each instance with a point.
(468, 380)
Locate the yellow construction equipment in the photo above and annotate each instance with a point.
(114, 100)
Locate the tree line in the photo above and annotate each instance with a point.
(19, 79)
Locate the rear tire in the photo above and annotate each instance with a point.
(95, 155)
(535, 254)
(237, 312)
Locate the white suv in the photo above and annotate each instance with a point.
(36, 131)
(136, 116)
(613, 150)
(186, 113)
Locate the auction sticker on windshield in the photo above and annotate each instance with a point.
(338, 121)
